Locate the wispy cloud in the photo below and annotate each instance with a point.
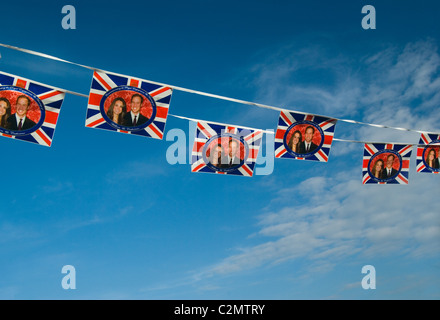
(14, 232)
(135, 171)
(346, 220)
(339, 217)
(395, 87)
(53, 186)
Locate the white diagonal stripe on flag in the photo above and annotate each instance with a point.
(51, 96)
(106, 82)
(365, 178)
(97, 91)
(287, 118)
(94, 118)
(420, 166)
(405, 150)
(371, 148)
(196, 164)
(327, 124)
(49, 125)
(320, 156)
(161, 95)
(55, 110)
(254, 136)
(280, 152)
(401, 179)
(163, 105)
(93, 107)
(153, 131)
(204, 128)
(40, 139)
(245, 170)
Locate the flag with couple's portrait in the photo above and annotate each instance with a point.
(304, 136)
(225, 149)
(127, 104)
(386, 163)
(428, 153)
(28, 110)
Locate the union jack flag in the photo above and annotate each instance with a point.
(291, 122)
(42, 111)
(209, 136)
(107, 86)
(428, 142)
(379, 157)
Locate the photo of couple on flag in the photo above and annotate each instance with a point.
(386, 163)
(225, 149)
(225, 157)
(128, 109)
(28, 110)
(16, 116)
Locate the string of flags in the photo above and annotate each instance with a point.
(29, 111)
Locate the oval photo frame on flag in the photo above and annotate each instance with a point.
(383, 155)
(126, 93)
(299, 128)
(36, 112)
(225, 140)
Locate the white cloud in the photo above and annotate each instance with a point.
(395, 87)
(339, 217)
(135, 170)
(347, 219)
(10, 233)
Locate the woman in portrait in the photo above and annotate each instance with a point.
(117, 111)
(216, 157)
(378, 168)
(295, 141)
(430, 159)
(5, 111)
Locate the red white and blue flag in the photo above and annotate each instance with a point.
(37, 117)
(109, 93)
(386, 163)
(304, 136)
(428, 153)
(225, 149)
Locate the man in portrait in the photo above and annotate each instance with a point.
(232, 159)
(134, 118)
(19, 120)
(307, 145)
(389, 171)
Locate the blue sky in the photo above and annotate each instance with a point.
(303, 232)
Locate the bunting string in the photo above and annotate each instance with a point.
(218, 148)
(259, 105)
(219, 123)
(409, 144)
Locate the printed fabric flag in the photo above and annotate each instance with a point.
(225, 149)
(386, 163)
(28, 110)
(428, 153)
(304, 136)
(129, 105)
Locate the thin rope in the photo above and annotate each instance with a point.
(259, 105)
